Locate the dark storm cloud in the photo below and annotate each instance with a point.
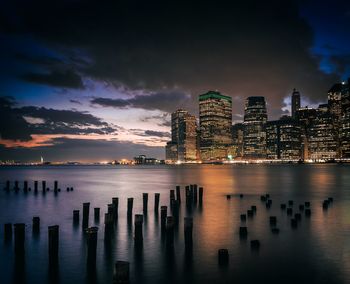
(65, 79)
(242, 48)
(157, 133)
(64, 149)
(164, 101)
(16, 125)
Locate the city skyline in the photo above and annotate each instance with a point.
(106, 88)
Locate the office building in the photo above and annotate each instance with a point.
(283, 139)
(255, 117)
(215, 120)
(295, 102)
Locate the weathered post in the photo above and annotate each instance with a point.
(19, 238)
(7, 232)
(223, 256)
(178, 194)
(145, 202)
(96, 214)
(16, 185)
(43, 186)
(169, 231)
(7, 188)
(130, 205)
(138, 228)
(53, 243)
(188, 228)
(108, 225)
(55, 187)
(121, 273)
(91, 245)
(200, 193)
(163, 215)
(35, 186)
(243, 232)
(115, 202)
(195, 194)
(86, 210)
(25, 186)
(75, 216)
(156, 202)
(171, 197)
(36, 224)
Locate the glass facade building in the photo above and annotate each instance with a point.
(255, 117)
(183, 144)
(215, 120)
(283, 139)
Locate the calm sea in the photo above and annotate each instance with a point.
(318, 251)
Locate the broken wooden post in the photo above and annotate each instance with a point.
(91, 245)
(130, 205)
(163, 215)
(178, 194)
(53, 243)
(86, 211)
(96, 214)
(200, 195)
(19, 238)
(156, 202)
(138, 228)
(223, 256)
(121, 273)
(145, 202)
(169, 231)
(36, 224)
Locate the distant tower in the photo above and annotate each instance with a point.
(295, 102)
(41, 160)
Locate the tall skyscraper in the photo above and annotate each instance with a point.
(322, 136)
(295, 102)
(237, 139)
(344, 132)
(183, 144)
(255, 117)
(283, 139)
(215, 120)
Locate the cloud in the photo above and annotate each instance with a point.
(64, 79)
(243, 48)
(22, 122)
(75, 102)
(164, 101)
(157, 133)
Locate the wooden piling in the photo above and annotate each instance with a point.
(86, 211)
(130, 205)
(19, 238)
(243, 217)
(243, 232)
(223, 256)
(121, 273)
(200, 195)
(16, 185)
(36, 224)
(178, 194)
(156, 202)
(169, 231)
(53, 233)
(96, 214)
(7, 185)
(163, 215)
(171, 197)
(145, 202)
(76, 216)
(115, 202)
(253, 208)
(91, 245)
(35, 186)
(195, 194)
(43, 186)
(138, 235)
(25, 186)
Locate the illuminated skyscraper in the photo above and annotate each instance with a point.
(215, 120)
(237, 140)
(283, 139)
(295, 102)
(322, 136)
(183, 144)
(344, 131)
(255, 117)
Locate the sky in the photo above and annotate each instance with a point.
(97, 80)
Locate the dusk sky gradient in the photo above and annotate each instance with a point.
(97, 80)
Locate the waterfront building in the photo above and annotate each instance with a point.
(344, 131)
(255, 117)
(237, 140)
(295, 102)
(183, 144)
(322, 136)
(305, 116)
(215, 120)
(283, 139)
